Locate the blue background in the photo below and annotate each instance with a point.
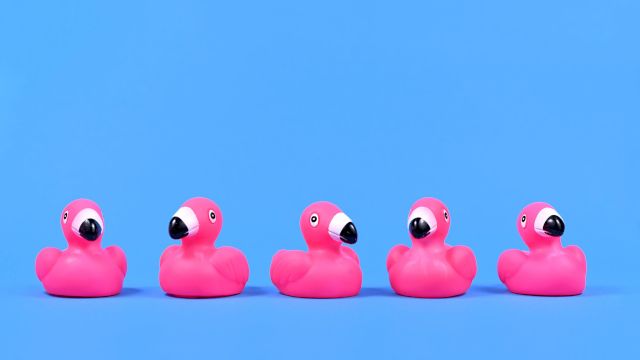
(267, 106)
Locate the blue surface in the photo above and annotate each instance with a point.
(268, 106)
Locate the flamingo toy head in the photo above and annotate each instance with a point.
(197, 221)
(428, 219)
(539, 224)
(324, 225)
(82, 223)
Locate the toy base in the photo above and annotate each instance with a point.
(319, 297)
(204, 296)
(558, 294)
(558, 289)
(315, 296)
(81, 296)
(428, 296)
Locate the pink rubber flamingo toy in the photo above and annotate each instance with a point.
(328, 269)
(430, 268)
(84, 268)
(548, 268)
(196, 268)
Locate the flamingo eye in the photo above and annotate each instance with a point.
(314, 219)
(523, 221)
(446, 215)
(212, 216)
(65, 217)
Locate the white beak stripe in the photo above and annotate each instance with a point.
(83, 215)
(190, 219)
(337, 224)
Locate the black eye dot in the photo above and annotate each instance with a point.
(65, 216)
(314, 218)
(213, 215)
(524, 218)
(446, 215)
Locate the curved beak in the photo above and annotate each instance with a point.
(183, 223)
(88, 224)
(419, 228)
(341, 228)
(90, 229)
(554, 226)
(177, 228)
(549, 223)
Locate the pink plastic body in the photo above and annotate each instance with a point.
(430, 268)
(327, 269)
(548, 268)
(196, 268)
(84, 268)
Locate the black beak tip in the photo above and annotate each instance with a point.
(177, 228)
(90, 230)
(554, 226)
(349, 234)
(419, 228)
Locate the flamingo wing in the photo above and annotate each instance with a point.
(231, 264)
(118, 256)
(463, 261)
(289, 266)
(395, 254)
(509, 263)
(45, 261)
(168, 252)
